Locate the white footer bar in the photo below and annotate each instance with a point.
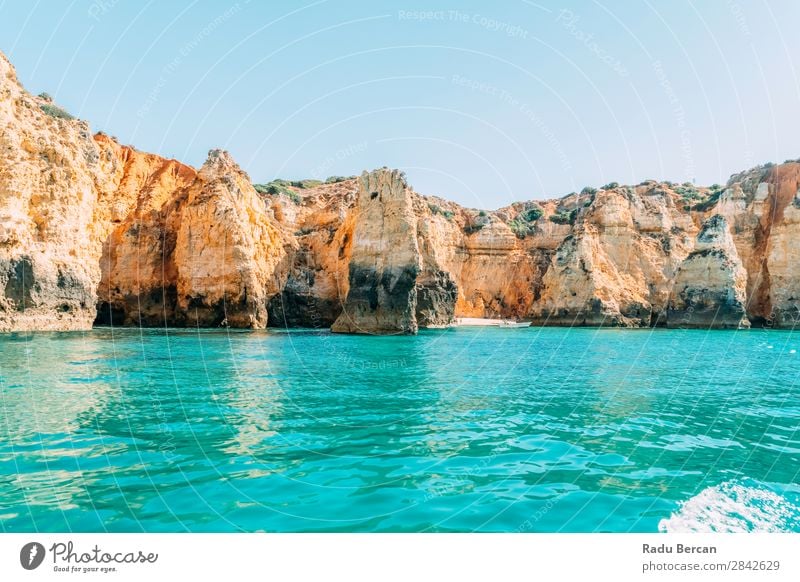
(402, 557)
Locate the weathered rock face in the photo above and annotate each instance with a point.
(763, 207)
(497, 275)
(317, 280)
(780, 225)
(385, 259)
(783, 258)
(437, 293)
(228, 255)
(614, 268)
(138, 270)
(51, 190)
(710, 286)
(199, 251)
(94, 231)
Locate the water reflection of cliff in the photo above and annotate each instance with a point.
(253, 397)
(53, 387)
(52, 384)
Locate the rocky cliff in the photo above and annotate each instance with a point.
(58, 194)
(394, 286)
(616, 265)
(199, 249)
(95, 232)
(709, 288)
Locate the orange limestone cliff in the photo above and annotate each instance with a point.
(93, 232)
(199, 250)
(709, 289)
(58, 196)
(392, 285)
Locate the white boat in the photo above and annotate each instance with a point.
(509, 323)
(483, 322)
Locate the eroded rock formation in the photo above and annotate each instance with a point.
(709, 289)
(200, 249)
(54, 200)
(616, 265)
(386, 264)
(91, 230)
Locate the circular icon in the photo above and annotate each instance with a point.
(31, 555)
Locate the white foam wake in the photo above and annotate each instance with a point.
(732, 507)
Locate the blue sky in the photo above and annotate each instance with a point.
(482, 103)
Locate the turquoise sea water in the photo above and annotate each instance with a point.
(482, 429)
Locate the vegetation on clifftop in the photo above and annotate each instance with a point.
(278, 187)
(709, 202)
(564, 217)
(435, 209)
(52, 109)
(523, 224)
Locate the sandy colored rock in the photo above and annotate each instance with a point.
(782, 250)
(615, 266)
(317, 281)
(138, 271)
(199, 250)
(91, 230)
(227, 253)
(50, 187)
(710, 286)
(385, 259)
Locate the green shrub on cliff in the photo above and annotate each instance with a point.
(435, 209)
(305, 184)
(55, 111)
(520, 227)
(278, 187)
(337, 179)
(688, 192)
(611, 186)
(523, 224)
(274, 189)
(709, 202)
(532, 214)
(564, 217)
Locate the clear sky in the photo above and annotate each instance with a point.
(480, 102)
